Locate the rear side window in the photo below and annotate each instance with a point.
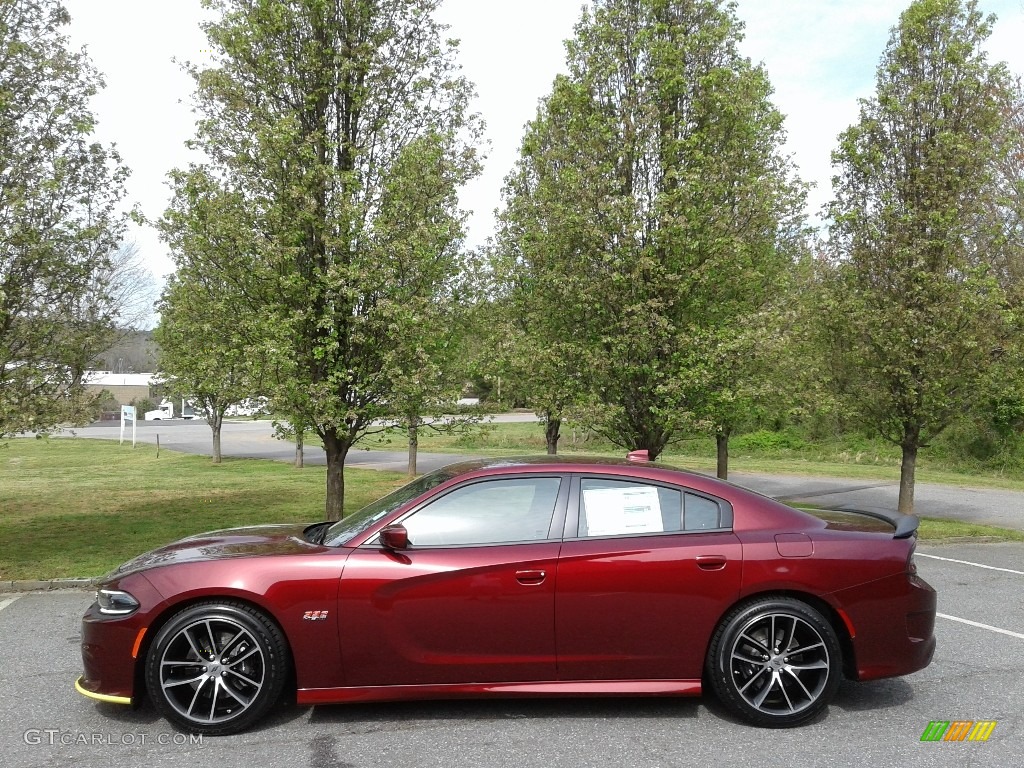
(624, 508)
(701, 513)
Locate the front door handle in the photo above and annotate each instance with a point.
(711, 562)
(530, 577)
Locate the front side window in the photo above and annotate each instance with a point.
(354, 524)
(487, 512)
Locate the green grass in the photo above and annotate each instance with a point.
(936, 531)
(485, 438)
(74, 507)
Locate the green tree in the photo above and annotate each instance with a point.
(1002, 411)
(207, 335)
(530, 347)
(203, 352)
(345, 125)
(912, 294)
(427, 382)
(60, 225)
(738, 378)
(646, 213)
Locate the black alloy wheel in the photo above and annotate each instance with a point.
(216, 667)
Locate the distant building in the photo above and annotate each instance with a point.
(124, 387)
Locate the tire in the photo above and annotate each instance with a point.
(216, 667)
(781, 683)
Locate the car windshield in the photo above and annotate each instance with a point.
(357, 522)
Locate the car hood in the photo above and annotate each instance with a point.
(257, 540)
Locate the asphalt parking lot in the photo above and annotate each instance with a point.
(977, 674)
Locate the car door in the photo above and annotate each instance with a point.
(470, 600)
(645, 572)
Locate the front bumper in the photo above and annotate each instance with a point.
(109, 650)
(112, 645)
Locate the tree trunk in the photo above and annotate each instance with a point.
(907, 468)
(300, 456)
(414, 443)
(636, 432)
(336, 449)
(215, 426)
(552, 431)
(652, 442)
(722, 444)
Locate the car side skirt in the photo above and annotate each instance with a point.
(539, 689)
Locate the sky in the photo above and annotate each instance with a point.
(821, 56)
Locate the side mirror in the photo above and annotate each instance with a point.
(394, 537)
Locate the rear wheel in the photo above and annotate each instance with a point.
(775, 662)
(216, 668)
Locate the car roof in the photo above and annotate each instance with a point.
(516, 461)
(545, 463)
(522, 464)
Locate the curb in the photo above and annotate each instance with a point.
(46, 585)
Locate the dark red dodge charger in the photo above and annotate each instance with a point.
(518, 577)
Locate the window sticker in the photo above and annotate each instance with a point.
(616, 511)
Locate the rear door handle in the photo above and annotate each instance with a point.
(530, 577)
(711, 562)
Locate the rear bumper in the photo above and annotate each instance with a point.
(894, 626)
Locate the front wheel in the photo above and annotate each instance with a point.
(775, 662)
(216, 668)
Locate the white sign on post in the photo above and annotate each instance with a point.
(127, 414)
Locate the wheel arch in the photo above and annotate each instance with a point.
(822, 606)
(170, 611)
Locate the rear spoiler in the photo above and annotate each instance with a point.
(905, 525)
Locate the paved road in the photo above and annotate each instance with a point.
(977, 674)
(255, 439)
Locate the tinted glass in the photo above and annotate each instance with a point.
(701, 513)
(488, 512)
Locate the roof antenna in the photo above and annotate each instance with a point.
(638, 456)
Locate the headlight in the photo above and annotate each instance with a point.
(114, 602)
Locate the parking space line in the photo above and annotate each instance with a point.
(989, 627)
(968, 562)
(8, 601)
